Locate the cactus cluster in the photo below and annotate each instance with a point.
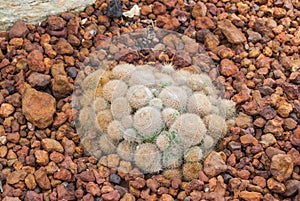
(158, 118)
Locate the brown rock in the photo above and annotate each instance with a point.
(159, 8)
(128, 197)
(243, 8)
(3, 151)
(199, 10)
(42, 179)
(250, 196)
(56, 157)
(30, 182)
(228, 68)
(281, 167)
(295, 137)
(268, 140)
(87, 176)
(13, 137)
(61, 87)
(63, 47)
(41, 157)
(248, 139)
(38, 107)
(63, 175)
(152, 184)
(267, 112)
(145, 10)
(211, 41)
(65, 192)
(33, 196)
(6, 109)
(112, 196)
(58, 69)
(243, 120)
(167, 22)
(69, 146)
(284, 109)
(233, 34)
(275, 186)
(253, 36)
(279, 12)
(259, 181)
(56, 23)
(272, 151)
(166, 197)
(204, 23)
(274, 126)
(35, 60)
(18, 30)
(93, 189)
(138, 183)
(16, 176)
(16, 42)
(214, 164)
(51, 145)
(294, 153)
(292, 187)
(39, 80)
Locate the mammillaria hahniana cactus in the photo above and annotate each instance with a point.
(160, 119)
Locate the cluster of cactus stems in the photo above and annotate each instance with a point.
(157, 118)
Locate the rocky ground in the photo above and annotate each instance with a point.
(256, 45)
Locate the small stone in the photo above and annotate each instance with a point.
(243, 8)
(167, 22)
(56, 157)
(275, 186)
(211, 41)
(268, 140)
(18, 30)
(248, 139)
(281, 167)
(199, 10)
(290, 124)
(30, 182)
(128, 197)
(87, 176)
(3, 151)
(204, 23)
(284, 109)
(267, 112)
(295, 138)
(42, 179)
(112, 196)
(13, 137)
(63, 175)
(259, 181)
(35, 60)
(93, 189)
(56, 23)
(114, 178)
(38, 107)
(65, 192)
(272, 151)
(279, 12)
(61, 86)
(6, 109)
(41, 157)
(138, 183)
(166, 197)
(250, 196)
(228, 68)
(7, 198)
(292, 187)
(214, 164)
(253, 36)
(16, 176)
(63, 47)
(145, 10)
(294, 153)
(39, 80)
(244, 121)
(274, 126)
(233, 34)
(58, 69)
(51, 145)
(33, 196)
(159, 8)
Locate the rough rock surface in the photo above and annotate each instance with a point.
(38, 9)
(38, 107)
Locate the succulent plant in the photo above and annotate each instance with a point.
(158, 118)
